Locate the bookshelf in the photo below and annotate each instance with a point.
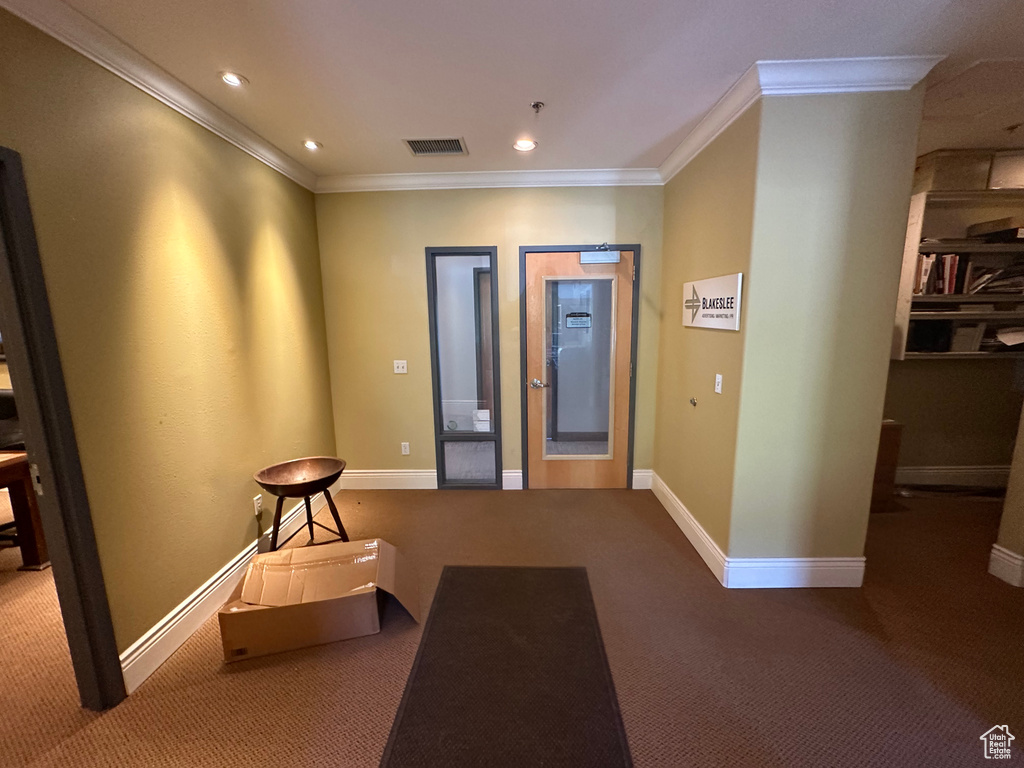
(958, 326)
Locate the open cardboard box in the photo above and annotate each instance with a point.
(294, 598)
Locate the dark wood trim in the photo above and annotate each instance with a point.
(635, 322)
(440, 435)
(45, 415)
(478, 322)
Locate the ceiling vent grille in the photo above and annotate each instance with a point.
(424, 147)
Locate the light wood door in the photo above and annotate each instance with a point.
(578, 352)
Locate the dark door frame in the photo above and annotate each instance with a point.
(634, 323)
(440, 436)
(45, 417)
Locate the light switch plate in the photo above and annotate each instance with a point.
(257, 504)
(401, 366)
(405, 449)
(718, 383)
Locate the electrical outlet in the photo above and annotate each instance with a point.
(405, 449)
(257, 505)
(401, 366)
(718, 383)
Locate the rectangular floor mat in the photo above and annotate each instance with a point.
(511, 671)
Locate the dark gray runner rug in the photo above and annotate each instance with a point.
(511, 671)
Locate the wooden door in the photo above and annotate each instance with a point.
(578, 352)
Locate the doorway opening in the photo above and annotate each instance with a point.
(955, 387)
(579, 307)
(55, 472)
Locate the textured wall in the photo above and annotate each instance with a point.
(374, 275)
(709, 217)
(834, 180)
(185, 286)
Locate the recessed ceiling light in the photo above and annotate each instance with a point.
(311, 145)
(233, 79)
(525, 145)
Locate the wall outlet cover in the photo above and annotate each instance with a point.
(405, 449)
(257, 504)
(718, 383)
(401, 366)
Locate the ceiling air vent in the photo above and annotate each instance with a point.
(425, 147)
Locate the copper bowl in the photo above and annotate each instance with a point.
(300, 477)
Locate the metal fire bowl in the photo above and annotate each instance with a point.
(300, 477)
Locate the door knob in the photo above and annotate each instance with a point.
(538, 384)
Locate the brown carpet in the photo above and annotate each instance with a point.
(908, 671)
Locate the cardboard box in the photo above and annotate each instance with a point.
(294, 598)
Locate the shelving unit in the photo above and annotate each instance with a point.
(937, 225)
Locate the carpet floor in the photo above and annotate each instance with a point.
(908, 671)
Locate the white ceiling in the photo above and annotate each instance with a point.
(624, 80)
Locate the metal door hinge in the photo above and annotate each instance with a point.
(37, 483)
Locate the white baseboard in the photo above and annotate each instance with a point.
(145, 655)
(512, 480)
(995, 476)
(642, 479)
(699, 538)
(790, 572)
(759, 572)
(382, 479)
(1006, 565)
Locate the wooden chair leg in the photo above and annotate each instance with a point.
(277, 523)
(309, 519)
(335, 515)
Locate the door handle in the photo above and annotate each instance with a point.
(538, 384)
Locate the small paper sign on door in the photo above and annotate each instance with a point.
(713, 303)
(577, 320)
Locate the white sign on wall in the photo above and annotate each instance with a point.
(713, 303)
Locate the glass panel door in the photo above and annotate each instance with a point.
(462, 297)
(578, 320)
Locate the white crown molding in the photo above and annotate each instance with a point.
(94, 42)
(621, 177)
(764, 78)
(789, 78)
(737, 100)
(863, 75)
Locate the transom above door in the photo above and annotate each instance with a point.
(578, 346)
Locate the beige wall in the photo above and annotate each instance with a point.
(709, 217)
(5, 377)
(374, 276)
(955, 413)
(185, 287)
(834, 180)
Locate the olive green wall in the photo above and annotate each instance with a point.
(709, 218)
(374, 276)
(834, 179)
(955, 413)
(184, 282)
